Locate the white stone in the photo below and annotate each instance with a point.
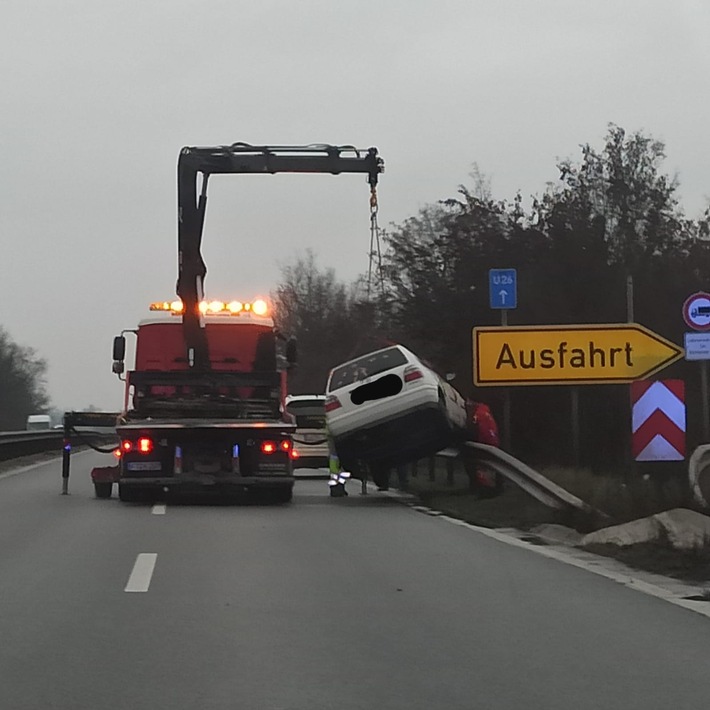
(685, 528)
(642, 530)
(557, 534)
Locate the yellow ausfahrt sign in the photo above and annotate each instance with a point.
(568, 354)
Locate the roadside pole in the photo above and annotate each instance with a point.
(66, 455)
(706, 404)
(506, 395)
(696, 314)
(503, 296)
(575, 425)
(630, 460)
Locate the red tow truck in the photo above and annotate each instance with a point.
(221, 428)
(204, 404)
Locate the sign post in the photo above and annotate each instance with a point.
(503, 295)
(696, 314)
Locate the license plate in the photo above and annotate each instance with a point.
(144, 466)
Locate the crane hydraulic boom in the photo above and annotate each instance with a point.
(192, 203)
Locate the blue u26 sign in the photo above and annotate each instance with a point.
(503, 288)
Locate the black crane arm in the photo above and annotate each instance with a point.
(247, 159)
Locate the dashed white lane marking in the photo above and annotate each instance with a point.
(142, 572)
(159, 509)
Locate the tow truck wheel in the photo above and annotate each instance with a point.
(128, 494)
(103, 489)
(283, 495)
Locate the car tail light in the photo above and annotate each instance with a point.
(117, 453)
(268, 447)
(412, 373)
(126, 445)
(294, 454)
(332, 403)
(145, 445)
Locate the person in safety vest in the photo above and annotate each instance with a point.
(482, 428)
(338, 477)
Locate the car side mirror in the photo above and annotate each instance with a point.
(450, 376)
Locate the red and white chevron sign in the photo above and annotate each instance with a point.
(658, 420)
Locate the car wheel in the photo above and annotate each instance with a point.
(444, 413)
(103, 489)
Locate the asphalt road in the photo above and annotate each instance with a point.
(325, 603)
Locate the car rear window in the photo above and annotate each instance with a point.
(309, 414)
(366, 366)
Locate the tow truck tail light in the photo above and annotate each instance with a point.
(285, 445)
(145, 445)
(268, 447)
(126, 446)
(332, 403)
(412, 373)
(294, 454)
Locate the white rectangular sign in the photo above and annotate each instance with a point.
(697, 346)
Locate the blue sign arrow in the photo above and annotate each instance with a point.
(503, 288)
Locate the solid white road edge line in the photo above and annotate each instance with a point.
(58, 459)
(159, 509)
(626, 580)
(556, 553)
(142, 572)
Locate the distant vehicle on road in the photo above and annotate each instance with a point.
(310, 441)
(38, 422)
(388, 408)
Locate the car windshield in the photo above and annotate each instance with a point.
(310, 414)
(366, 366)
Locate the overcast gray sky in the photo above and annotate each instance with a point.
(98, 96)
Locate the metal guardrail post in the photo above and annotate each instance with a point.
(66, 462)
(450, 462)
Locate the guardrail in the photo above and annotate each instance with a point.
(697, 466)
(532, 482)
(24, 443)
(519, 473)
(14, 444)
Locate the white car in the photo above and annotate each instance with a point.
(310, 440)
(388, 407)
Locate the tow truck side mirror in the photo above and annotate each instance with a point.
(119, 354)
(291, 352)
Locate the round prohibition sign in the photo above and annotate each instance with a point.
(696, 311)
